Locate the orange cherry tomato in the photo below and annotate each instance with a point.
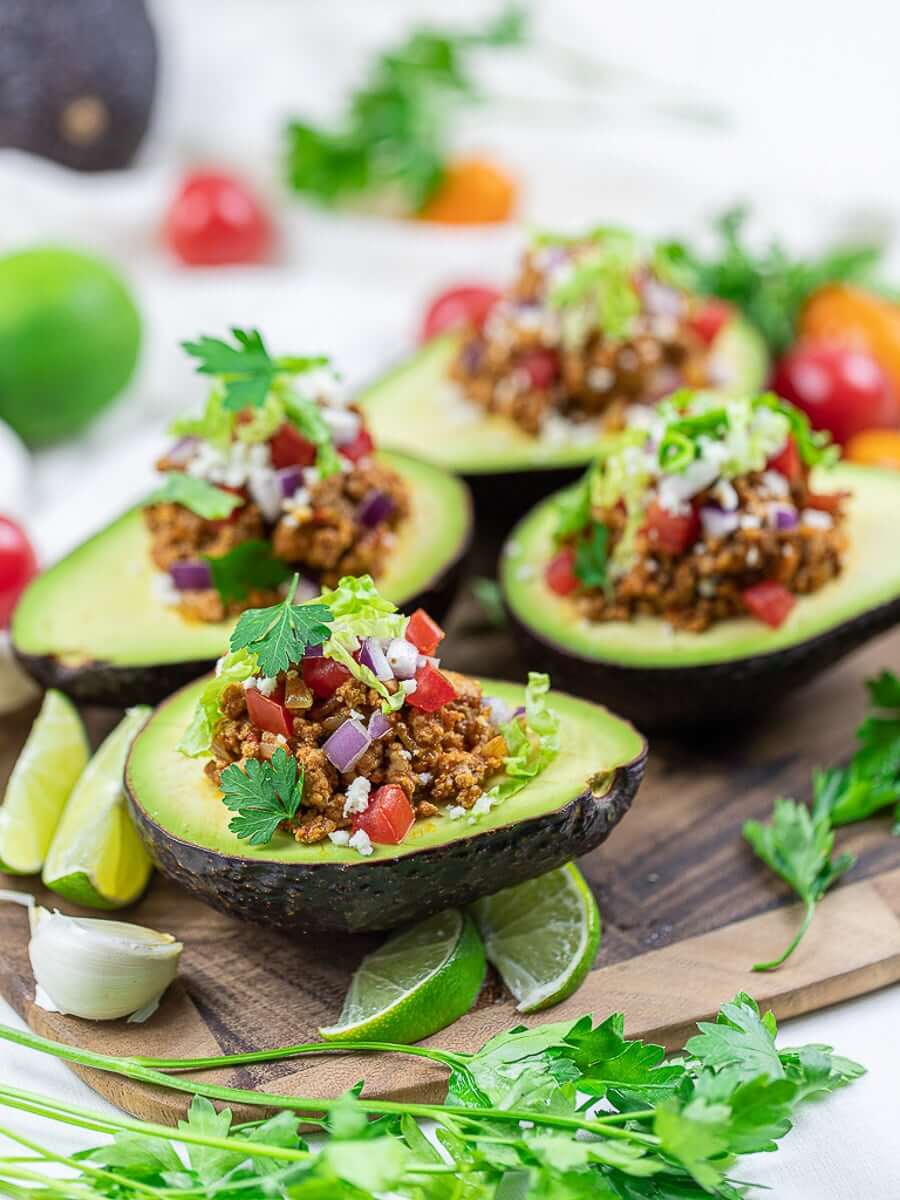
(841, 313)
(473, 191)
(875, 448)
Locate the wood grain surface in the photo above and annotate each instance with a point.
(686, 909)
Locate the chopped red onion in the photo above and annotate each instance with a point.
(315, 651)
(372, 656)
(379, 725)
(472, 355)
(520, 711)
(343, 424)
(716, 522)
(375, 507)
(193, 576)
(659, 299)
(783, 516)
(290, 479)
(500, 712)
(181, 453)
(347, 745)
(403, 658)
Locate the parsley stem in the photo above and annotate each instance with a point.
(277, 1053)
(85, 1167)
(808, 915)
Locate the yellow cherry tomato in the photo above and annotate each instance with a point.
(473, 191)
(875, 448)
(839, 312)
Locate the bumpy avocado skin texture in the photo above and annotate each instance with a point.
(77, 80)
(346, 893)
(144, 667)
(743, 679)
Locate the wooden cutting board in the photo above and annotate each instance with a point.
(686, 909)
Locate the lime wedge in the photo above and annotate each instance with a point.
(419, 981)
(542, 936)
(47, 769)
(97, 857)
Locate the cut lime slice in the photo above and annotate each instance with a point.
(542, 936)
(45, 773)
(97, 857)
(418, 982)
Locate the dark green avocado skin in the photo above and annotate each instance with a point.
(503, 497)
(368, 896)
(658, 698)
(100, 54)
(109, 685)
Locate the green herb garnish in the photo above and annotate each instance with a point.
(233, 668)
(592, 556)
(263, 794)
(394, 134)
(599, 293)
(513, 1125)
(247, 566)
(279, 635)
(202, 498)
(246, 370)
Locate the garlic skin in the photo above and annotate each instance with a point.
(97, 969)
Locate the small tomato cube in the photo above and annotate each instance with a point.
(289, 448)
(269, 713)
(361, 446)
(559, 574)
(424, 633)
(769, 602)
(671, 532)
(433, 690)
(323, 676)
(788, 462)
(389, 816)
(710, 319)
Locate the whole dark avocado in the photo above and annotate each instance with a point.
(77, 79)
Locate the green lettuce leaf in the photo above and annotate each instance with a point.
(234, 668)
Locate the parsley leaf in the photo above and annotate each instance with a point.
(247, 566)
(279, 635)
(573, 508)
(591, 557)
(202, 498)
(740, 1039)
(797, 846)
(696, 1135)
(263, 794)
(247, 370)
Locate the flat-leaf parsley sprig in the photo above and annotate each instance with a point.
(279, 635)
(247, 370)
(263, 794)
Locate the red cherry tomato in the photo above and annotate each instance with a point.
(709, 319)
(389, 817)
(559, 574)
(769, 602)
(18, 564)
(323, 676)
(361, 446)
(433, 690)
(457, 307)
(290, 449)
(214, 220)
(840, 388)
(425, 634)
(788, 462)
(269, 713)
(542, 367)
(671, 532)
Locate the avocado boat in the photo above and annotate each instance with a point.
(94, 625)
(564, 812)
(516, 407)
(665, 677)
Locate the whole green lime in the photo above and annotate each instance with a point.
(69, 340)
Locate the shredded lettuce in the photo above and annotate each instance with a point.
(360, 611)
(234, 668)
(599, 292)
(532, 741)
(215, 425)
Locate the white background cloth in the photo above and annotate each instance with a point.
(801, 101)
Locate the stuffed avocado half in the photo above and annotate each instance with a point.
(707, 589)
(591, 326)
(353, 783)
(278, 475)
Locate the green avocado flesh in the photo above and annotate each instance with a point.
(870, 578)
(417, 409)
(173, 792)
(99, 604)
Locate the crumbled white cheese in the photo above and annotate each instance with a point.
(311, 476)
(408, 686)
(360, 842)
(600, 379)
(816, 519)
(356, 715)
(266, 685)
(344, 424)
(776, 483)
(726, 495)
(356, 797)
(482, 805)
(404, 753)
(750, 521)
(425, 777)
(752, 557)
(455, 811)
(340, 837)
(164, 589)
(707, 587)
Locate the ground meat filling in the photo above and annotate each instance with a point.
(321, 536)
(704, 585)
(519, 367)
(441, 758)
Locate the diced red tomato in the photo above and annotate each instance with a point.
(289, 448)
(425, 634)
(361, 446)
(457, 307)
(389, 817)
(323, 676)
(710, 319)
(269, 713)
(788, 462)
(559, 574)
(829, 502)
(542, 367)
(671, 532)
(18, 564)
(433, 690)
(769, 602)
(216, 219)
